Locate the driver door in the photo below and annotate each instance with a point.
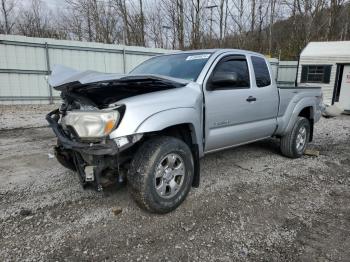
(231, 116)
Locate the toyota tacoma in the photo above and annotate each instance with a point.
(150, 128)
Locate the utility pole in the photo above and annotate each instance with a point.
(211, 7)
(167, 28)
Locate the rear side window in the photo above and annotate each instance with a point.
(262, 74)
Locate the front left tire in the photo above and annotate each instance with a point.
(161, 174)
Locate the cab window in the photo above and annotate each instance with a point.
(262, 74)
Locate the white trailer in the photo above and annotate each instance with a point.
(327, 64)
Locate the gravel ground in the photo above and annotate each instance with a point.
(24, 116)
(252, 205)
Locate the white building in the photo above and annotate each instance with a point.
(327, 64)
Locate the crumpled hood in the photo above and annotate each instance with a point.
(102, 89)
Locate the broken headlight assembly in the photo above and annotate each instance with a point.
(90, 124)
(126, 141)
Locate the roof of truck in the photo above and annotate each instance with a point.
(217, 50)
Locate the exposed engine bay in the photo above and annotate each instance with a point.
(100, 90)
(89, 113)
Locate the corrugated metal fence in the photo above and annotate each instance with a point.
(26, 62)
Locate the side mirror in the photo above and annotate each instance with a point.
(224, 79)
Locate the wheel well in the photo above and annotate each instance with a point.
(307, 112)
(186, 133)
(181, 131)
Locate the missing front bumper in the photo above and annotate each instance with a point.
(77, 155)
(98, 149)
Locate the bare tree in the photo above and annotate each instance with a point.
(196, 20)
(7, 10)
(272, 4)
(222, 19)
(180, 9)
(261, 25)
(82, 15)
(122, 9)
(253, 15)
(240, 20)
(35, 21)
(106, 21)
(334, 12)
(142, 24)
(155, 22)
(309, 10)
(73, 24)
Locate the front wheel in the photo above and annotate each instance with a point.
(294, 143)
(161, 174)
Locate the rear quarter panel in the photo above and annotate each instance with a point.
(292, 102)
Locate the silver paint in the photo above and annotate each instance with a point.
(229, 119)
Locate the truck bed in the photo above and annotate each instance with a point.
(290, 95)
(290, 100)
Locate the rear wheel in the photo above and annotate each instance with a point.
(294, 143)
(161, 174)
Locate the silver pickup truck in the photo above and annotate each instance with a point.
(150, 128)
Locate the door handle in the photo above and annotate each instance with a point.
(251, 99)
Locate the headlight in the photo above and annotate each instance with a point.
(90, 124)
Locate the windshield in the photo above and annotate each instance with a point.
(186, 65)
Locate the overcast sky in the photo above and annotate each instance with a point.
(52, 3)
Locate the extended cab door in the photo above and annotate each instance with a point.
(239, 107)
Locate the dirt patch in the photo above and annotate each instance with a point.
(252, 204)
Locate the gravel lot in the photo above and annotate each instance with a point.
(252, 205)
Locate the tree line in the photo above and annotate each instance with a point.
(274, 27)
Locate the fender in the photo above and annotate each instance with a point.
(286, 122)
(171, 117)
(176, 116)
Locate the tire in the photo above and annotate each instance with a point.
(160, 175)
(291, 145)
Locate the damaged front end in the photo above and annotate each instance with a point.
(89, 114)
(98, 161)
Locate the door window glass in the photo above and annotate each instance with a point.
(235, 66)
(262, 74)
